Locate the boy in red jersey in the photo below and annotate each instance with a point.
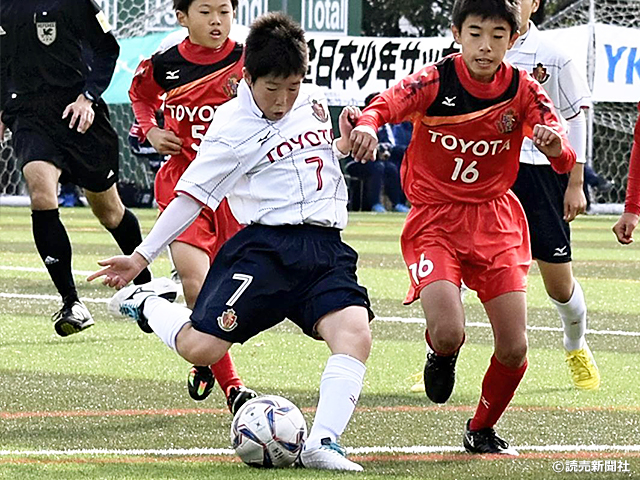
(470, 113)
(628, 221)
(195, 77)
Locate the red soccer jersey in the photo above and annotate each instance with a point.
(632, 201)
(196, 80)
(466, 134)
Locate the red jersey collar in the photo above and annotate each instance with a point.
(493, 89)
(204, 55)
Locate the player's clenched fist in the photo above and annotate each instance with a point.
(547, 140)
(364, 143)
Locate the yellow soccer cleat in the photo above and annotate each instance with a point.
(584, 370)
(418, 386)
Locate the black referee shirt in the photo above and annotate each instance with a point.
(47, 45)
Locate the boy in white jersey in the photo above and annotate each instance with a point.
(271, 150)
(552, 200)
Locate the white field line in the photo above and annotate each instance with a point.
(409, 320)
(417, 449)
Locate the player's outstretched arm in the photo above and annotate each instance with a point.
(179, 214)
(624, 227)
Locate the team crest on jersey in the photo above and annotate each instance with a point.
(319, 112)
(540, 74)
(230, 89)
(228, 320)
(508, 122)
(46, 32)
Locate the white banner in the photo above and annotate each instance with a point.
(351, 68)
(617, 73)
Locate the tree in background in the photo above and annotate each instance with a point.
(382, 18)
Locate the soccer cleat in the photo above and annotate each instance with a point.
(584, 370)
(163, 287)
(486, 441)
(237, 396)
(439, 376)
(72, 318)
(418, 382)
(200, 382)
(130, 303)
(329, 456)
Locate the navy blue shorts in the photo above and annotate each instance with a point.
(541, 191)
(89, 160)
(265, 274)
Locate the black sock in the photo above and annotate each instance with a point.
(128, 237)
(54, 248)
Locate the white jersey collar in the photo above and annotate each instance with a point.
(530, 42)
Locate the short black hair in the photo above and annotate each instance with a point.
(508, 10)
(183, 5)
(275, 46)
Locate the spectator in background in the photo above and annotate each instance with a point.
(385, 172)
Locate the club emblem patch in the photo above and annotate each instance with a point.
(540, 74)
(319, 112)
(508, 122)
(230, 89)
(46, 32)
(228, 320)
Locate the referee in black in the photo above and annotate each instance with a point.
(56, 58)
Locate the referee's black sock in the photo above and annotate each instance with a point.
(128, 237)
(54, 248)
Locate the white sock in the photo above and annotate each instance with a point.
(340, 389)
(574, 318)
(166, 319)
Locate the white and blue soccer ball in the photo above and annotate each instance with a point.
(268, 431)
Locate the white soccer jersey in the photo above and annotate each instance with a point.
(557, 73)
(273, 173)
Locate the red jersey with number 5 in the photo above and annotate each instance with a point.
(194, 81)
(467, 134)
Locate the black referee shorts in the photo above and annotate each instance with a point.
(265, 274)
(541, 192)
(89, 160)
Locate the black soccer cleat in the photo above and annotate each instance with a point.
(486, 441)
(238, 396)
(72, 318)
(200, 382)
(439, 376)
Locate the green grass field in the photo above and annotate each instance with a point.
(111, 402)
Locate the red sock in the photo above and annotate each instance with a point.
(225, 372)
(498, 387)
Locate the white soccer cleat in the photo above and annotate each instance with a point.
(162, 287)
(329, 456)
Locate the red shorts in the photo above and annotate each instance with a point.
(484, 244)
(211, 229)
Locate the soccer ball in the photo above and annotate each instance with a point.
(268, 431)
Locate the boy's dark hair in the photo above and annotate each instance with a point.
(508, 10)
(183, 5)
(537, 17)
(275, 46)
